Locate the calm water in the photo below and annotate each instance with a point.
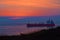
(16, 30)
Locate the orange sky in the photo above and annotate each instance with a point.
(28, 7)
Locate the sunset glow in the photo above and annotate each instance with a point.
(29, 7)
(16, 14)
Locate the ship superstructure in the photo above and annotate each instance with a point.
(49, 23)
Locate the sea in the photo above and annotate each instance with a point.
(19, 29)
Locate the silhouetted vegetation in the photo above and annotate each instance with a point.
(50, 34)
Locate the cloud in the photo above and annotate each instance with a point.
(9, 0)
(29, 7)
(32, 3)
(57, 2)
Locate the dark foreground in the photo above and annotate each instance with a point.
(51, 34)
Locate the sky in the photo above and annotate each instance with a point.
(15, 12)
(29, 7)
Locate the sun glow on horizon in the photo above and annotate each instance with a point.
(29, 7)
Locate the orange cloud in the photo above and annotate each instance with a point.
(32, 3)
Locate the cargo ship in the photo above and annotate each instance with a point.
(49, 23)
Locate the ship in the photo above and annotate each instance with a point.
(49, 23)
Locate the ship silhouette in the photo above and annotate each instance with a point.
(49, 23)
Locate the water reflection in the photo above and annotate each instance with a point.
(16, 30)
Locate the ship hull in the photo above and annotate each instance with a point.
(40, 25)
